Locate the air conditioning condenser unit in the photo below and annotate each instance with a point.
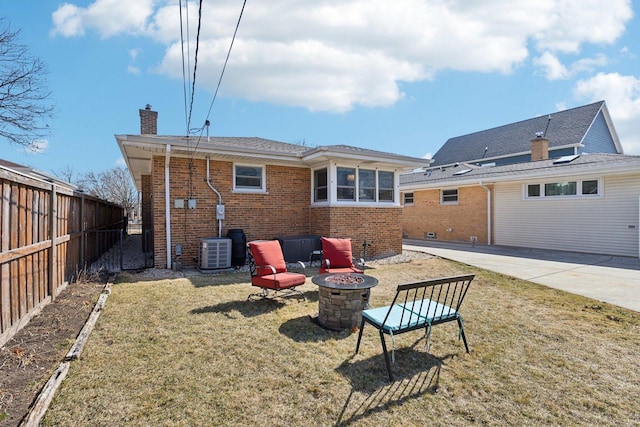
(215, 252)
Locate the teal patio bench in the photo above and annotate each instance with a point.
(418, 305)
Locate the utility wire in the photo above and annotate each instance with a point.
(227, 59)
(221, 74)
(186, 65)
(195, 66)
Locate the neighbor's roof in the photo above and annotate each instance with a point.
(471, 174)
(563, 129)
(138, 151)
(34, 173)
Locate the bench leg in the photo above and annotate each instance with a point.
(360, 335)
(386, 355)
(464, 338)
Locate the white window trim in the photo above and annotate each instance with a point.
(578, 195)
(332, 173)
(263, 180)
(313, 186)
(395, 195)
(413, 197)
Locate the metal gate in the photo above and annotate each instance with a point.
(108, 251)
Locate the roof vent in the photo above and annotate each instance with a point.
(462, 172)
(566, 159)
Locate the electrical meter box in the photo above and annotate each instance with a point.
(220, 212)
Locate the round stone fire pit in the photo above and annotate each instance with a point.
(341, 299)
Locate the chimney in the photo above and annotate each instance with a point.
(539, 149)
(148, 121)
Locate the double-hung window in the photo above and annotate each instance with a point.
(320, 188)
(346, 183)
(366, 185)
(449, 196)
(249, 178)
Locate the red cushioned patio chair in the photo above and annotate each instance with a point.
(337, 256)
(269, 271)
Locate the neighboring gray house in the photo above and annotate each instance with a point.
(580, 130)
(580, 201)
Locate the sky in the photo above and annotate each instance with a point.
(399, 76)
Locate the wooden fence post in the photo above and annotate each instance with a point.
(83, 231)
(53, 256)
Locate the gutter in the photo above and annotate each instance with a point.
(167, 204)
(488, 190)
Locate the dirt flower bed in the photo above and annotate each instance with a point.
(32, 355)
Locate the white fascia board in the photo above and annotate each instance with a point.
(391, 161)
(559, 172)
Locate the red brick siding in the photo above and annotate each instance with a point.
(467, 218)
(380, 227)
(283, 211)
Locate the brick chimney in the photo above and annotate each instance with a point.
(539, 149)
(148, 121)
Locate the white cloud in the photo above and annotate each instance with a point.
(553, 69)
(551, 66)
(334, 55)
(134, 53)
(108, 17)
(38, 146)
(622, 94)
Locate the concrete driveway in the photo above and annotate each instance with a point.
(615, 280)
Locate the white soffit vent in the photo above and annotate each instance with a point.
(566, 159)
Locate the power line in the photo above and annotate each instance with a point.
(195, 66)
(185, 67)
(221, 74)
(227, 59)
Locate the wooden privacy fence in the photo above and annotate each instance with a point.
(47, 234)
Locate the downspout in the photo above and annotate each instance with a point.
(167, 204)
(488, 190)
(219, 197)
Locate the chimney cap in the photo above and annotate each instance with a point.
(147, 107)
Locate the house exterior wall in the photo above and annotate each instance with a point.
(465, 219)
(282, 211)
(602, 225)
(598, 139)
(380, 227)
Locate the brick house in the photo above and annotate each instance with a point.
(552, 182)
(200, 187)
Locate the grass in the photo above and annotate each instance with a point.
(195, 352)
